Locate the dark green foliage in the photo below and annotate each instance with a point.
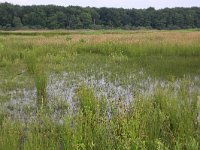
(86, 20)
(73, 17)
(17, 22)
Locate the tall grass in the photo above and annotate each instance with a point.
(166, 119)
(31, 62)
(41, 85)
(38, 73)
(159, 121)
(147, 49)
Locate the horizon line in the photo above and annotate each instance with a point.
(97, 6)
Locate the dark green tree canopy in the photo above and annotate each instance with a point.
(74, 17)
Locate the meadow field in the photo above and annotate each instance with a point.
(106, 89)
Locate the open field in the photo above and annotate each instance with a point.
(106, 89)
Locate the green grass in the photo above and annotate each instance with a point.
(160, 121)
(167, 118)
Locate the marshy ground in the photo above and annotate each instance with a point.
(100, 89)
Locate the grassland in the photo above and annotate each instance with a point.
(100, 89)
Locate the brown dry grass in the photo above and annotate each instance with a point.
(129, 37)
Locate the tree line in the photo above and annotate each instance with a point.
(75, 17)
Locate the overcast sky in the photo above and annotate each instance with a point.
(112, 3)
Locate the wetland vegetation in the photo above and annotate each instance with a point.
(106, 89)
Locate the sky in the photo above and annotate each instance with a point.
(112, 3)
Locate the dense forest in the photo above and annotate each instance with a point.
(74, 17)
